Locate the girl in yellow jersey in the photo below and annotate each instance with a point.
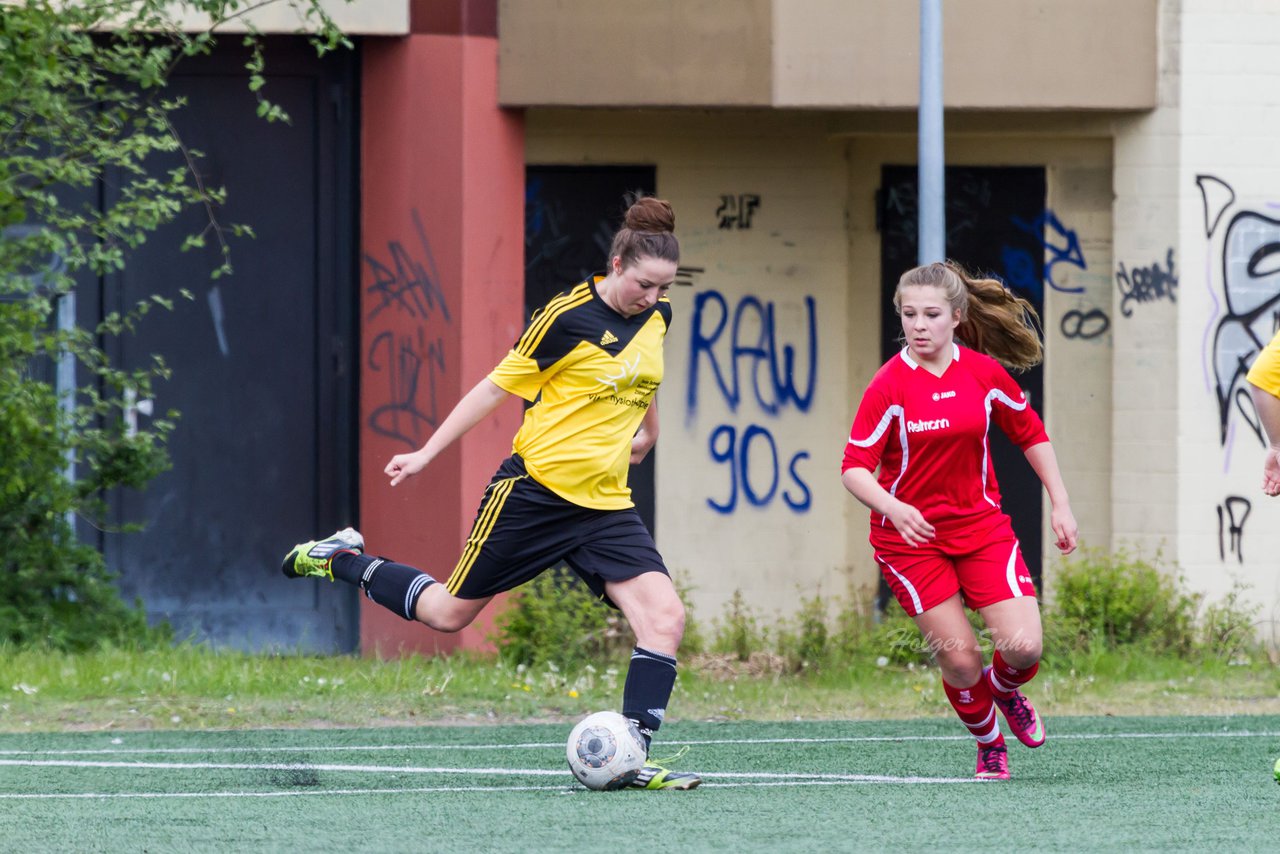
(590, 361)
(1264, 382)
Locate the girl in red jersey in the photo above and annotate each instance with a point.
(940, 537)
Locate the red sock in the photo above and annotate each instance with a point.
(1003, 678)
(976, 711)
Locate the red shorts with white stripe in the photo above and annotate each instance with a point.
(981, 560)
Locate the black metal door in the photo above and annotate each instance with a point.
(571, 214)
(994, 218)
(264, 454)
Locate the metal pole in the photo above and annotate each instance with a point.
(65, 383)
(932, 212)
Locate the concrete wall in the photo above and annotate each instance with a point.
(362, 18)
(776, 524)
(442, 295)
(773, 287)
(1012, 54)
(846, 54)
(1195, 294)
(1227, 291)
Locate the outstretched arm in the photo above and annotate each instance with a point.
(474, 407)
(647, 435)
(1045, 463)
(1268, 406)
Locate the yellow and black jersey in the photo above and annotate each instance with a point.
(592, 374)
(1265, 372)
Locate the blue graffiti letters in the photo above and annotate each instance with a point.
(754, 469)
(1044, 229)
(752, 348)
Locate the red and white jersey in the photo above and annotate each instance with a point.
(928, 434)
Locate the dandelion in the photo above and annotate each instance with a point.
(573, 693)
(882, 661)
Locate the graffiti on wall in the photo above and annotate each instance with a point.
(739, 352)
(1084, 325)
(1147, 284)
(1061, 246)
(1245, 300)
(737, 211)
(1232, 513)
(406, 321)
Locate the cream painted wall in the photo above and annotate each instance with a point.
(1077, 368)
(791, 265)
(363, 18)
(1228, 195)
(1007, 54)
(1145, 373)
(813, 236)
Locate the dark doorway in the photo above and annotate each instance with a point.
(265, 453)
(994, 222)
(570, 216)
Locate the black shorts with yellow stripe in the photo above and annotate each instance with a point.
(522, 528)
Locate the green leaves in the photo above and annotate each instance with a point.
(85, 119)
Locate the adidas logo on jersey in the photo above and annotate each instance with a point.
(923, 425)
(608, 338)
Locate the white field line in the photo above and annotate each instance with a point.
(729, 779)
(413, 769)
(533, 745)
(567, 789)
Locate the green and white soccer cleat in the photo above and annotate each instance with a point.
(313, 559)
(654, 776)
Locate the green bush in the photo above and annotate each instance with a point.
(79, 111)
(54, 590)
(739, 633)
(1228, 628)
(556, 619)
(1104, 601)
(804, 641)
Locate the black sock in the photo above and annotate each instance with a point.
(650, 679)
(394, 586)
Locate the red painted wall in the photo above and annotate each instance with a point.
(442, 280)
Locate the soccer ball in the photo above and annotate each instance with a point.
(605, 751)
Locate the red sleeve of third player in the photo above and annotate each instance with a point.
(1012, 412)
(872, 427)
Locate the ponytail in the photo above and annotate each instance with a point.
(993, 320)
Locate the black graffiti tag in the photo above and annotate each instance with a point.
(737, 210)
(1084, 325)
(1232, 513)
(408, 362)
(1146, 284)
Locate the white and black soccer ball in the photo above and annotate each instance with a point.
(605, 751)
